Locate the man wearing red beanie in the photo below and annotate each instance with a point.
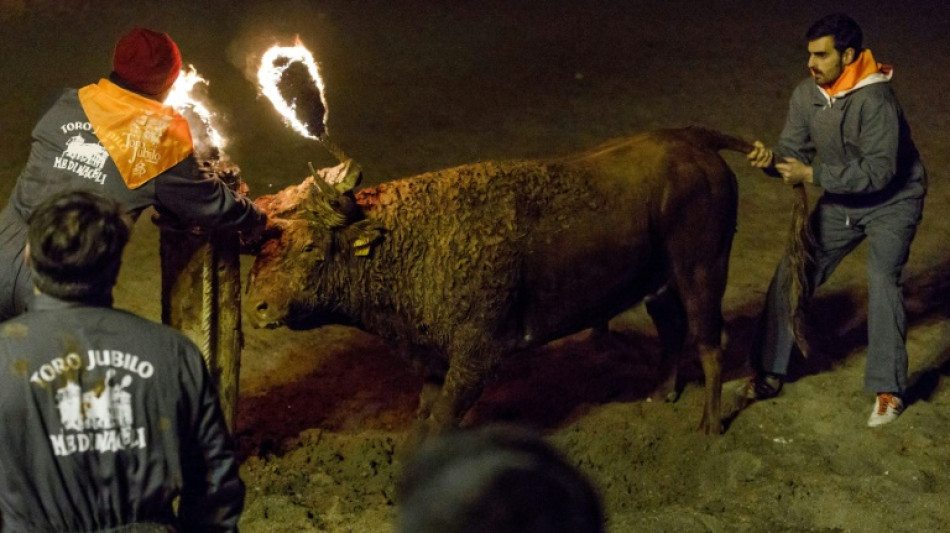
(116, 138)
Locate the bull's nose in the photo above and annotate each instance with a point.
(260, 315)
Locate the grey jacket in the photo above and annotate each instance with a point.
(859, 145)
(107, 418)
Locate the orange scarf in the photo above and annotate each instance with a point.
(143, 137)
(860, 68)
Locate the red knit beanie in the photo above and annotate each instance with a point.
(146, 61)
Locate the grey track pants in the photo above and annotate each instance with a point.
(889, 231)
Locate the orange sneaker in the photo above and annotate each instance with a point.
(887, 407)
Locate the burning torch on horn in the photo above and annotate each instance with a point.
(289, 78)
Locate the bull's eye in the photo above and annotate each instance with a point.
(309, 247)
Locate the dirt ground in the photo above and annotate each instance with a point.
(414, 86)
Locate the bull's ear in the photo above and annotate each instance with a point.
(367, 235)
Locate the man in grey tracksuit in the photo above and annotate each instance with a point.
(846, 133)
(107, 417)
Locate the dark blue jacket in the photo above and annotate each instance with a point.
(107, 418)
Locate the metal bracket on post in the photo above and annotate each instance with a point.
(201, 293)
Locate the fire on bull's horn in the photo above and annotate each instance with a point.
(289, 78)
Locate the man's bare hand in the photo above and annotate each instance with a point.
(794, 171)
(251, 239)
(243, 189)
(760, 156)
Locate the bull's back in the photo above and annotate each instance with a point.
(643, 205)
(544, 248)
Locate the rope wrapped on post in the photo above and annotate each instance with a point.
(201, 292)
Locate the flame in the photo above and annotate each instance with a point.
(275, 61)
(188, 103)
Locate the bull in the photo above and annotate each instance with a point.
(460, 268)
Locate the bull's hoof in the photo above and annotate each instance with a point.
(667, 396)
(711, 427)
(424, 429)
(669, 391)
(417, 435)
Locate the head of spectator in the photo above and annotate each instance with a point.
(497, 479)
(834, 43)
(844, 31)
(74, 246)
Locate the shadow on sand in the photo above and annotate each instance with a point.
(368, 387)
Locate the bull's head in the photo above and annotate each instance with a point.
(313, 228)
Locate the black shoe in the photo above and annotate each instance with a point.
(761, 387)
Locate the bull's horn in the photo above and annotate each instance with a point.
(343, 177)
(325, 207)
(351, 174)
(321, 183)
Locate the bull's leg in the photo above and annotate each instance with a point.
(463, 385)
(431, 387)
(704, 337)
(666, 309)
(702, 299)
(428, 396)
(711, 358)
(700, 278)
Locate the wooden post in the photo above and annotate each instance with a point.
(201, 295)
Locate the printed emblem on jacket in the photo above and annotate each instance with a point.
(84, 159)
(98, 419)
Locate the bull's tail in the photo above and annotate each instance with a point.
(798, 250)
(715, 140)
(800, 239)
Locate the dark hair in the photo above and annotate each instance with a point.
(844, 30)
(498, 479)
(76, 241)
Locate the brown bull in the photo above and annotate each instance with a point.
(464, 266)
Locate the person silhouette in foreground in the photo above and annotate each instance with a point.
(497, 479)
(107, 417)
